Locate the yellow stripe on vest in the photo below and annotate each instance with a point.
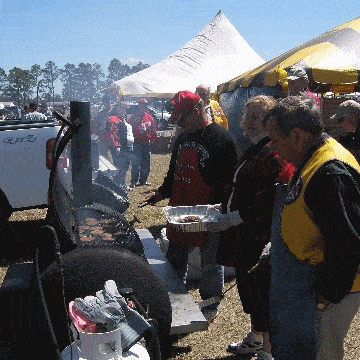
(299, 232)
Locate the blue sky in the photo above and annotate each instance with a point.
(93, 31)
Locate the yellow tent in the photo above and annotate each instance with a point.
(331, 60)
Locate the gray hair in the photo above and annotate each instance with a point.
(297, 112)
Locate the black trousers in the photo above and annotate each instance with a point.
(253, 288)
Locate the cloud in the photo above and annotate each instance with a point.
(132, 60)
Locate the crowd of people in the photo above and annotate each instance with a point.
(296, 245)
(296, 248)
(127, 140)
(30, 113)
(35, 113)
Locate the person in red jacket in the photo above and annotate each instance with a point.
(120, 139)
(252, 193)
(144, 130)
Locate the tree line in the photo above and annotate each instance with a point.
(84, 82)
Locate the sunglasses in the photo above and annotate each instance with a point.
(183, 116)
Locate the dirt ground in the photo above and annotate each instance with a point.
(232, 323)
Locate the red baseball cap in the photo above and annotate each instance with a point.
(181, 103)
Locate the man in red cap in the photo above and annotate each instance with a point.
(144, 130)
(201, 164)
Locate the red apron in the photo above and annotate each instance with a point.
(189, 188)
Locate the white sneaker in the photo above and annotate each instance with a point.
(248, 346)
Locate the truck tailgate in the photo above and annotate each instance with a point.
(23, 174)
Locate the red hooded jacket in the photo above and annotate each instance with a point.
(144, 128)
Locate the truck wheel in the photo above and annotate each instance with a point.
(86, 269)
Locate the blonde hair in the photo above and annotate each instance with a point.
(264, 101)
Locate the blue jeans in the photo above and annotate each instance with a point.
(292, 303)
(212, 278)
(140, 169)
(122, 162)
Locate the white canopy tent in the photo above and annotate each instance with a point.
(216, 54)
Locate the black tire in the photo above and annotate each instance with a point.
(85, 272)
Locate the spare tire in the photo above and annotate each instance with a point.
(85, 272)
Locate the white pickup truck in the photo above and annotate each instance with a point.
(25, 157)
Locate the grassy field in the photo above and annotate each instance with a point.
(232, 323)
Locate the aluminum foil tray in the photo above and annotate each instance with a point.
(206, 213)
